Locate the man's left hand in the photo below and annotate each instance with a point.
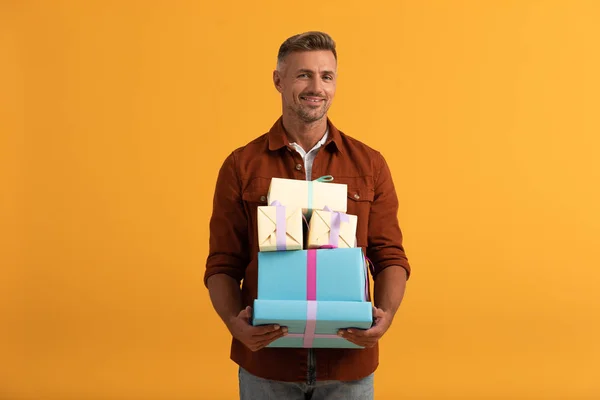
(369, 337)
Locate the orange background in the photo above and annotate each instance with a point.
(116, 115)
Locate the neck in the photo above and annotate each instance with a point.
(305, 134)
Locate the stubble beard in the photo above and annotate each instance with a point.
(310, 115)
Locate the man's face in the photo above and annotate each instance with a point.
(307, 82)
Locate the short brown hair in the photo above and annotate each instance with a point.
(307, 41)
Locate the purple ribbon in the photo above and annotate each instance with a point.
(314, 336)
(334, 229)
(280, 225)
(309, 334)
(368, 263)
(311, 324)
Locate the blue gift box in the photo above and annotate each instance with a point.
(330, 317)
(340, 275)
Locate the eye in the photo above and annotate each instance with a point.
(303, 75)
(328, 77)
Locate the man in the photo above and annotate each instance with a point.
(303, 144)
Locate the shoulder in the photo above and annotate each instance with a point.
(359, 150)
(254, 147)
(252, 150)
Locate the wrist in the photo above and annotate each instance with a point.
(389, 311)
(230, 321)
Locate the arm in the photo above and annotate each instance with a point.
(226, 297)
(227, 260)
(389, 289)
(391, 268)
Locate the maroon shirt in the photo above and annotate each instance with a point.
(242, 186)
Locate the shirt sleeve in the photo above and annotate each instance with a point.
(385, 247)
(228, 243)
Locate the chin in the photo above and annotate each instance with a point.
(310, 119)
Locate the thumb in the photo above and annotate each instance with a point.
(246, 313)
(377, 313)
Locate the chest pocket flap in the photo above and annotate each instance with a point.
(360, 193)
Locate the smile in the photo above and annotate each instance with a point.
(312, 99)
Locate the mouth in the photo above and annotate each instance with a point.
(312, 99)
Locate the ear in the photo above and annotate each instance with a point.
(277, 80)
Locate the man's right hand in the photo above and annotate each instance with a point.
(254, 337)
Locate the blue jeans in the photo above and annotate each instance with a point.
(255, 388)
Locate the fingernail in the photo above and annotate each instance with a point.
(341, 333)
(276, 327)
(285, 329)
(349, 330)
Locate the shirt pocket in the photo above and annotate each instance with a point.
(256, 191)
(360, 198)
(360, 194)
(253, 197)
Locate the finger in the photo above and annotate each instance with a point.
(263, 343)
(378, 313)
(269, 335)
(271, 338)
(363, 342)
(265, 329)
(246, 313)
(364, 338)
(375, 331)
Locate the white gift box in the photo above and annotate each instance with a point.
(331, 229)
(309, 195)
(279, 228)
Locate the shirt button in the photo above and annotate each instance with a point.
(356, 196)
(299, 167)
(263, 198)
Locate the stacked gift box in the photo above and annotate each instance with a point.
(316, 286)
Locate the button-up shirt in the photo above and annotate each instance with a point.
(309, 157)
(243, 184)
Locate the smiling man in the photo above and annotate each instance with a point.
(303, 144)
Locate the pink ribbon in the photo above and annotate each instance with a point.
(309, 334)
(311, 275)
(315, 336)
(280, 226)
(311, 323)
(334, 230)
(368, 263)
(311, 297)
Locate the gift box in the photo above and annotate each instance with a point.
(315, 274)
(331, 229)
(313, 324)
(279, 228)
(309, 195)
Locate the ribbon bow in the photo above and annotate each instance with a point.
(324, 178)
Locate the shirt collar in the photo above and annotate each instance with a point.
(320, 143)
(278, 139)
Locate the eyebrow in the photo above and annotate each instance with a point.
(310, 71)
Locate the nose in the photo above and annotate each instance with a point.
(316, 85)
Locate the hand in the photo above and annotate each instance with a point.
(369, 337)
(254, 337)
